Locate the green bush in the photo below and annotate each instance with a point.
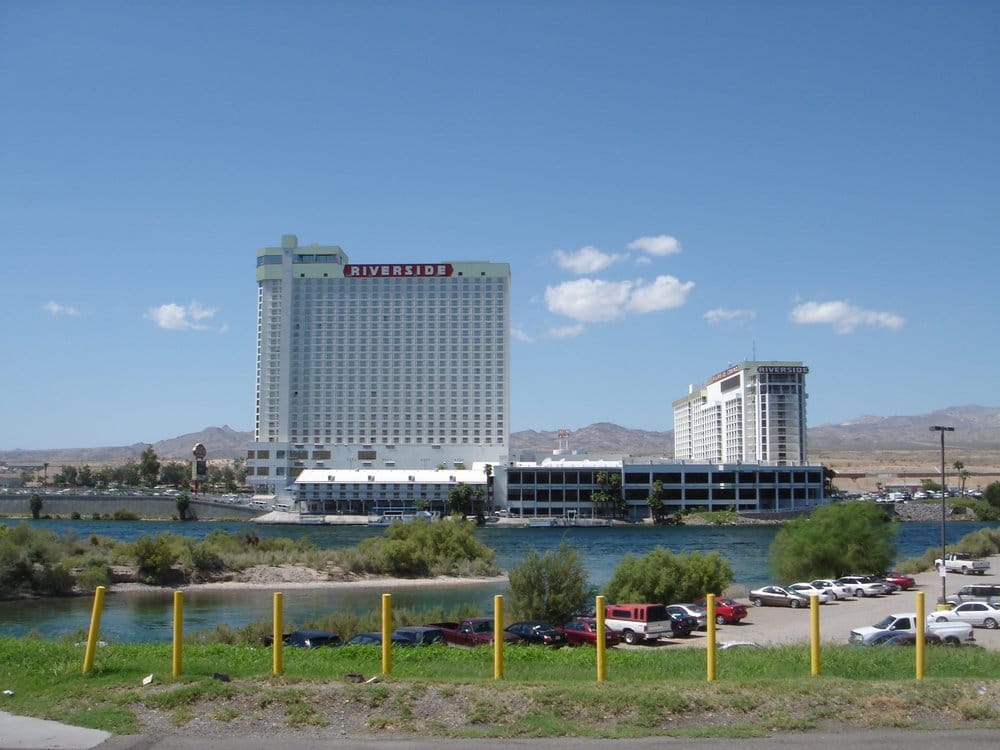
(155, 558)
(95, 573)
(552, 586)
(206, 563)
(663, 577)
(422, 548)
(833, 541)
(123, 514)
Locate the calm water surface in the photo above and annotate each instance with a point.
(147, 616)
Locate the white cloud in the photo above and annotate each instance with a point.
(521, 335)
(589, 300)
(721, 315)
(665, 293)
(586, 260)
(843, 316)
(224, 328)
(566, 332)
(595, 300)
(661, 244)
(55, 309)
(180, 317)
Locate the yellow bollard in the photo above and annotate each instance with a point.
(710, 607)
(814, 635)
(386, 633)
(178, 633)
(498, 637)
(921, 622)
(601, 643)
(278, 635)
(95, 627)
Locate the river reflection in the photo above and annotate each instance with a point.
(147, 616)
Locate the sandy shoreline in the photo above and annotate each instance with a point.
(442, 582)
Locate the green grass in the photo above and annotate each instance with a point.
(649, 691)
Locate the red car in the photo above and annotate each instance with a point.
(902, 580)
(583, 630)
(727, 611)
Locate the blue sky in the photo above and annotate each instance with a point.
(673, 184)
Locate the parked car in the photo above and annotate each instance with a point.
(876, 638)
(472, 631)
(902, 580)
(307, 639)
(910, 639)
(583, 630)
(862, 586)
(964, 563)
(681, 623)
(979, 614)
(638, 622)
(539, 632)
(375, 639)
(418, 635)
(696, 611)
(976, 592)
(905, 622)
(776, 596)
(727, 611)
(839, 590)
(807, 590)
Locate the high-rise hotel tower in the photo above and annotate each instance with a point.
(753, 412)
(375, 365)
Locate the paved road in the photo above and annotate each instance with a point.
(973, 739)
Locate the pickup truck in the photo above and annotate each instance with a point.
(961, 562)
(472, 631)
(906, 622)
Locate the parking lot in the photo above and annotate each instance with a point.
(781, 625)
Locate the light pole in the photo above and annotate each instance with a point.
(944, 495)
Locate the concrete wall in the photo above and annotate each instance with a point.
(144, 506)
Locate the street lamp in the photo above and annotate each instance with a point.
(944, 495)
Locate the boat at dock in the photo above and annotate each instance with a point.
(390, 517)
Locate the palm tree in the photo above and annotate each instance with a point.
(963, 475)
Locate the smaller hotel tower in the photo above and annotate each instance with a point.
(753, 412)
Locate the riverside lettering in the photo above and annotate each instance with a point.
(403, 270)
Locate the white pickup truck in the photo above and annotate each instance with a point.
(961, 562)
(906, 622)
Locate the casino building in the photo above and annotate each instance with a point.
(377, 366)
(750, 413)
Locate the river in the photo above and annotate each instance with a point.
(146, 616)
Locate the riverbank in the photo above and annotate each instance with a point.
(300, 577)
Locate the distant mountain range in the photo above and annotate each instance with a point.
(976, 428)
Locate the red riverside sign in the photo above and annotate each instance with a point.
(395, 270)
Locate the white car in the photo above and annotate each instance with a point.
(807, 590)
(839, 591)
(974, 613)
(862, 586)
(697, 612)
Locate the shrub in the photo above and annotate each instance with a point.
(35, 503)
(421, 548)
(552, 586)
(95, 573)
(834, 541)
(205, 562)
(123, 514)
(663, 577)
(155, 558)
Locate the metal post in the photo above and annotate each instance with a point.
(386, 633)
(600, 643)
(944, 490)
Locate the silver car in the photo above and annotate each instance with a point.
(862, 586)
